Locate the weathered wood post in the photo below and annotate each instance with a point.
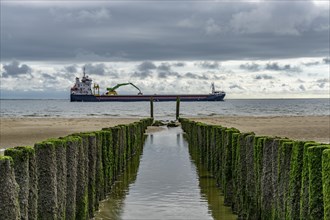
(9, 190)
(177, 107)
(152, 107)
(47, 182)
(20, 157)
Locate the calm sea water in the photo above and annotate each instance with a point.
(253, 107)
(166, 183)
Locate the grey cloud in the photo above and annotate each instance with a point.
(251, 67)
(71, 68)
(263, 76)
(273, 66)
(211, 27)
(302, 87)
(141, 75)
(48, 77)
(311, 63)
(312, 75)
(164, 71)
(215, 77)
(236, 86)
(325, 80)
(164, 67)
(165, 74)
(326, 60)
(209, 65)
(187, 23)
(14, 69)
(81, 15)
(179, 64)
(295, 18)
(146, 66)
(203, 77)
(322, 82)
(276, 67)
(190, 75)
(113, 74)
(238, 30)
(96, 69)
(49, 81)
(321, 85)
(144, 70)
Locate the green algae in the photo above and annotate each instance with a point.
(315, 208)
(280, 183)
(326, 182)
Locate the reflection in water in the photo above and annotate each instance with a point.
(112, 207)
(178, 139)
(210, 191)
(166, 185)
(151, 137)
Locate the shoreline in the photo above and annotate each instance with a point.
(28, 131)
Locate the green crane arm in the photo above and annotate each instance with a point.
(117, 86)
(135, 87)
(122, 84)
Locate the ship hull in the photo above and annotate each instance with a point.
(142, 98)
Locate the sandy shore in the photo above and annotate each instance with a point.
(316, 128)
(27, 131)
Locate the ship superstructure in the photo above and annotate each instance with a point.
(83, 87)
(82, 92)
(215, 92)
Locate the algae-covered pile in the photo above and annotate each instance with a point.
(265, 177)
(65, 178)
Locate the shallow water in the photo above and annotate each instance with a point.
(166, 185)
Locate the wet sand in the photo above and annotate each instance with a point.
(315, 128)
(27, 131)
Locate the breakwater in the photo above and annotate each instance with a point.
(65, 178)
(264, 177)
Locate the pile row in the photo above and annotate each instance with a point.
(66, 178)
(265, 177)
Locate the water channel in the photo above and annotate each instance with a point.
(165, 182)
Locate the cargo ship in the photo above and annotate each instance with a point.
(82, 91)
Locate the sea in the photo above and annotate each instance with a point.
(163, 110)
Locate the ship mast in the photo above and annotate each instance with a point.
(213, 87)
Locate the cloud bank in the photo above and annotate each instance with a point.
(249, 49)
(153, 30)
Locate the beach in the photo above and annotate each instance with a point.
(27, 131)
(305, 128)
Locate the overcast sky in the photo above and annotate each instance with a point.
(250, 49)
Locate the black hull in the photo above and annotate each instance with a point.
(143, 98)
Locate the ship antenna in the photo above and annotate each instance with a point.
(84, 71)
